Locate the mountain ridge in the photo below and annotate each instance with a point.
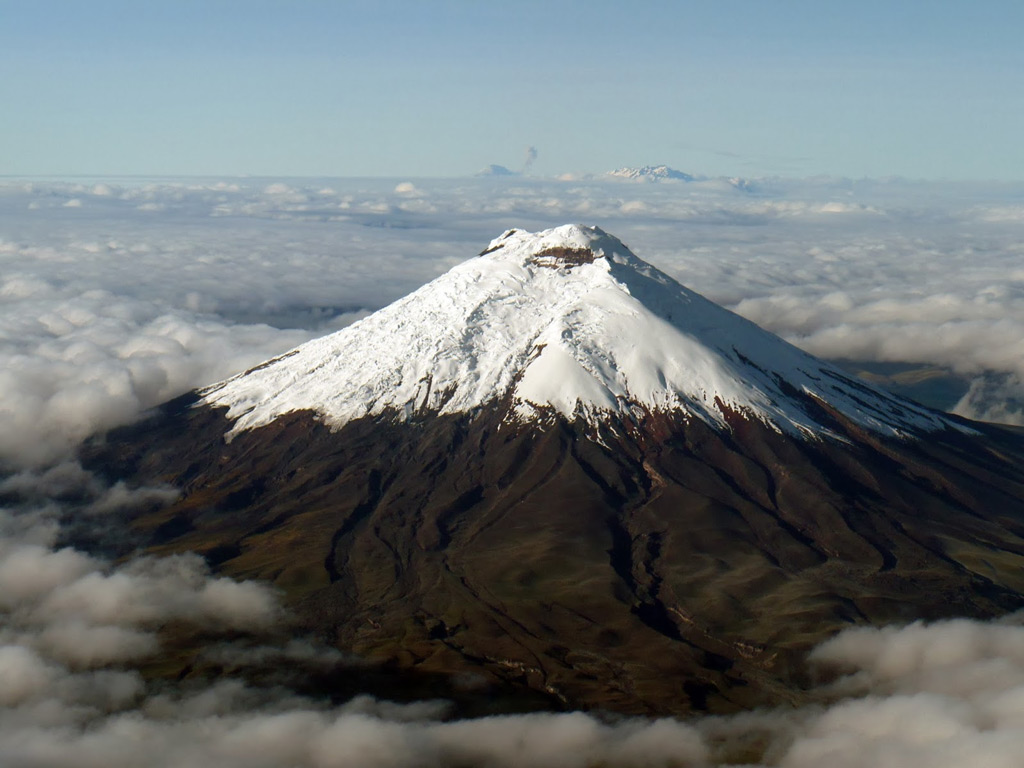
(651, 173)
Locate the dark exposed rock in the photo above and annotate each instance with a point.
(561, 256)
(655, 566)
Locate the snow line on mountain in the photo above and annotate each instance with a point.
(565, 320)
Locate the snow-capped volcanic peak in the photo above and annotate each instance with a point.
(568, 321)
(650, 173)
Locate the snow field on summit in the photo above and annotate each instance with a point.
(565, 319)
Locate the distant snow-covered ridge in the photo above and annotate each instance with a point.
(568, 320)
(497, 170)
(651, 172)
(655, 173)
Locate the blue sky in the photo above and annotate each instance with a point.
(416, 88)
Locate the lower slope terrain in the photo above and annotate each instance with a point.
(646, 565)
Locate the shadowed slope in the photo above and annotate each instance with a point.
(655, 566)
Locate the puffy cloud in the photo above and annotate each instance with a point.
(570, 739)
(22, 675)
(82, 645)
(946, 694)
(897, 709)
(75, 364)
(406, 188)
(151, 591)
(82, 612)
(30, 571)
(995, 397)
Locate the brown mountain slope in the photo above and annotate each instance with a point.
(654, 567)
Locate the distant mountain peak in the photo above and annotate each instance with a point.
(651, 173)
(497, 170)
(564, 321)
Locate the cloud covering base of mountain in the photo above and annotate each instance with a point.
(76, 629)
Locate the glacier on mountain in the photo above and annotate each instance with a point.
(563, 321)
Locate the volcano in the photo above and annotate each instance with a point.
(555, 467)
